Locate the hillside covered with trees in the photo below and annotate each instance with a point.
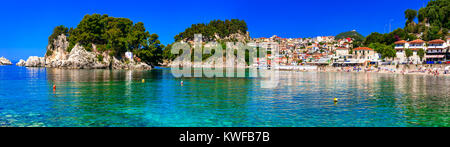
(356, 37)
(433, 23)
(113, 35)
(216, 27)
(350, 34)
(216, 30)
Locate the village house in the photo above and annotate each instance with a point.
(342, 52)
(448, 51)
(416, 45)
(400, 47)
(437, 51)
(365, 55)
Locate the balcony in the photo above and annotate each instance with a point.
(417, 47)
(399, 46)
(436, 51)
(437, 47)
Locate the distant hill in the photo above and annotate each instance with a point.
(350, 34)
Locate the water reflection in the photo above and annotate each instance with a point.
(120, 98)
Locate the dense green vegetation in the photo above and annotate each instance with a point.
(408, 53)
(113, 35)
(384, 43)
(410, 15)
(434, 21)
(221, 28)
(350, 34)
(389, 38)
(436, 13)
(421, 53)
(386, 51)
(356, 37)
(216, 27)
(59, 30)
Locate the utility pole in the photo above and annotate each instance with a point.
(390, 25)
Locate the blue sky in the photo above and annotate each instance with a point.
(26, 25)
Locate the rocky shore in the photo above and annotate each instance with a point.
(4, 61)
(57, 56)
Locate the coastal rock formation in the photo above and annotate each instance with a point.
(57, 51)
(35, 61)
(131, 65)
(239, 37)
(21, 63)
(236, 37)
(79, 58)
(4, 61)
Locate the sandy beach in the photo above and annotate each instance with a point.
(431, 70)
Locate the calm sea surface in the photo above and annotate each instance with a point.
(119, 98)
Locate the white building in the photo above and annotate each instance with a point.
(129, 55)
(402, 45)
(342, 52)
(365, 55)
(436, 50)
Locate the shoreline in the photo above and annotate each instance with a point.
(381, 70)
(419, 70)
(384, 69)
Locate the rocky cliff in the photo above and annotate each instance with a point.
(4, 61)
(239, 37)
(57, 56)
(236, 37)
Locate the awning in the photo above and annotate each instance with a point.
(434, 56)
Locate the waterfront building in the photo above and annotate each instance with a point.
(400, 47)
(342, 52)
(416, 45)
(437, 51)
(365, 55)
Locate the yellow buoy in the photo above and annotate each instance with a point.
(335, 99)
(143, 80)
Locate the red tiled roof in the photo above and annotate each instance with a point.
(437, 41)
(401, 42)
(417, 41)
(341, 48)
(363, 48)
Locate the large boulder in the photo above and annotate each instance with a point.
(34, 61)
(21, 63)
(4, 61)
(79, 58)
(129, 65)
(140, 66)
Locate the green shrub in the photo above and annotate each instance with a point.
(49, 53)
(100, 57)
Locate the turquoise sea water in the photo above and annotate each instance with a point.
(100, 98)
